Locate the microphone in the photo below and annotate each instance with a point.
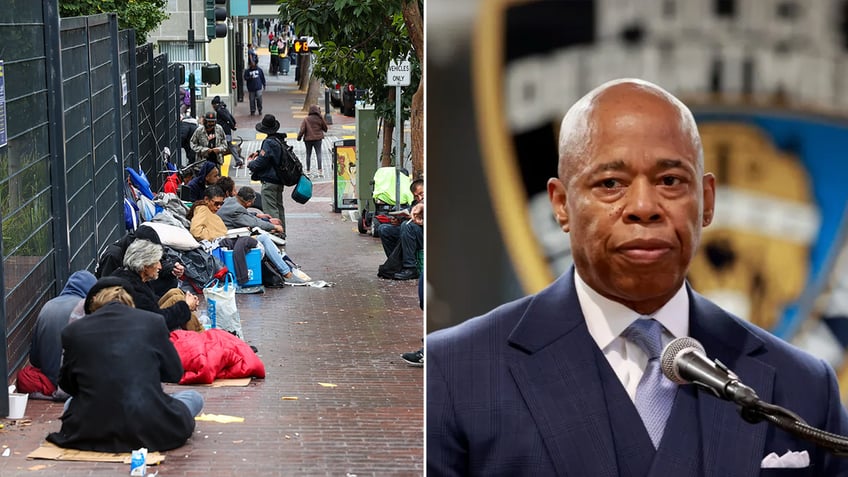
(684, 361)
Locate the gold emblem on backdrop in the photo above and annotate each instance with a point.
(754, 259)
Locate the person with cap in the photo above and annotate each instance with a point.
(228, 124)
(255, 81)
(209, 140)
(115, 361)
(261, 164)
(45, 352)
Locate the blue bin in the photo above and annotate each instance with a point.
(254, 265)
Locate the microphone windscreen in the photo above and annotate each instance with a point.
(670, 354)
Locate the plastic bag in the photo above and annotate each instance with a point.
(221, 305)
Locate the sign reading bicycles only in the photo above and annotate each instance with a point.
(399, 74)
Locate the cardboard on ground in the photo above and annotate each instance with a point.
(51, 452)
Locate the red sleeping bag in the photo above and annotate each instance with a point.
(215, 354)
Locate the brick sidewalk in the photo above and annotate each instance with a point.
(350, 335)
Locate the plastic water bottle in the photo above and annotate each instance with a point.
(204, 320)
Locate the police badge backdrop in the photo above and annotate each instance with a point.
(768, 85)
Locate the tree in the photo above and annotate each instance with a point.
(414, 25)
(358, 39)
(143, 16)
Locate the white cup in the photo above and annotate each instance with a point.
(17, 405)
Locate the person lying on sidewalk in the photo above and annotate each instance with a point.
(116, 359)
(40, 378)
(206, 224)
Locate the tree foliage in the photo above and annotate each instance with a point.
(358, 39)
(143, 16)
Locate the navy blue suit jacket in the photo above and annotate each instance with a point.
(525, 390)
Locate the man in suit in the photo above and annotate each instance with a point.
(549, 384)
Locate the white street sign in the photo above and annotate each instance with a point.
(399, 74)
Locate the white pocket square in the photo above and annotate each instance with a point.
(789, 460)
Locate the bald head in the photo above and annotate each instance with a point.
(613, 101)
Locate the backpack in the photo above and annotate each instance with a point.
(288, 169)
(271, 278)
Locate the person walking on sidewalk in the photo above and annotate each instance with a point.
(274, 65)
(312, 131)
(228, 124)
(261, 164)
(255, 79)
(252, 56)
(209, 142)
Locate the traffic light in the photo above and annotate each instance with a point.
(216, 16)
(210, 74)
(301, 46)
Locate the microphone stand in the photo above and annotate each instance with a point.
(795, 425)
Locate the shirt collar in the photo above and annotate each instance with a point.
(607, 319)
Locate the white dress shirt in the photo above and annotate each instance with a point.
(607, 319)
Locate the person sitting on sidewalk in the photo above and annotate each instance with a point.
(227, 185)
(40, 379)
(207, 224)
(235, 213)
(402, 243)
(390, 232)
(141, 265)
(181, 177)
(116, 359)
(207, 175)
(112, 258)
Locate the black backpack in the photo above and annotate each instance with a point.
(289, 169)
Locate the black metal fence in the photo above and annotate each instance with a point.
(82, 102)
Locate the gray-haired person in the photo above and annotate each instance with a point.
(141, 265)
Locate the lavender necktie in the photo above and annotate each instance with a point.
(655, 393)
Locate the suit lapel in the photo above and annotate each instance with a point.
(559, 381)
(731, 343)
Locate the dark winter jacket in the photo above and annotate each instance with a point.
(262, 167)
(197, 184)
(176, 315)
(225, 119)
(112, 259)
(115, 361)
(187, 128)
(254, 78)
